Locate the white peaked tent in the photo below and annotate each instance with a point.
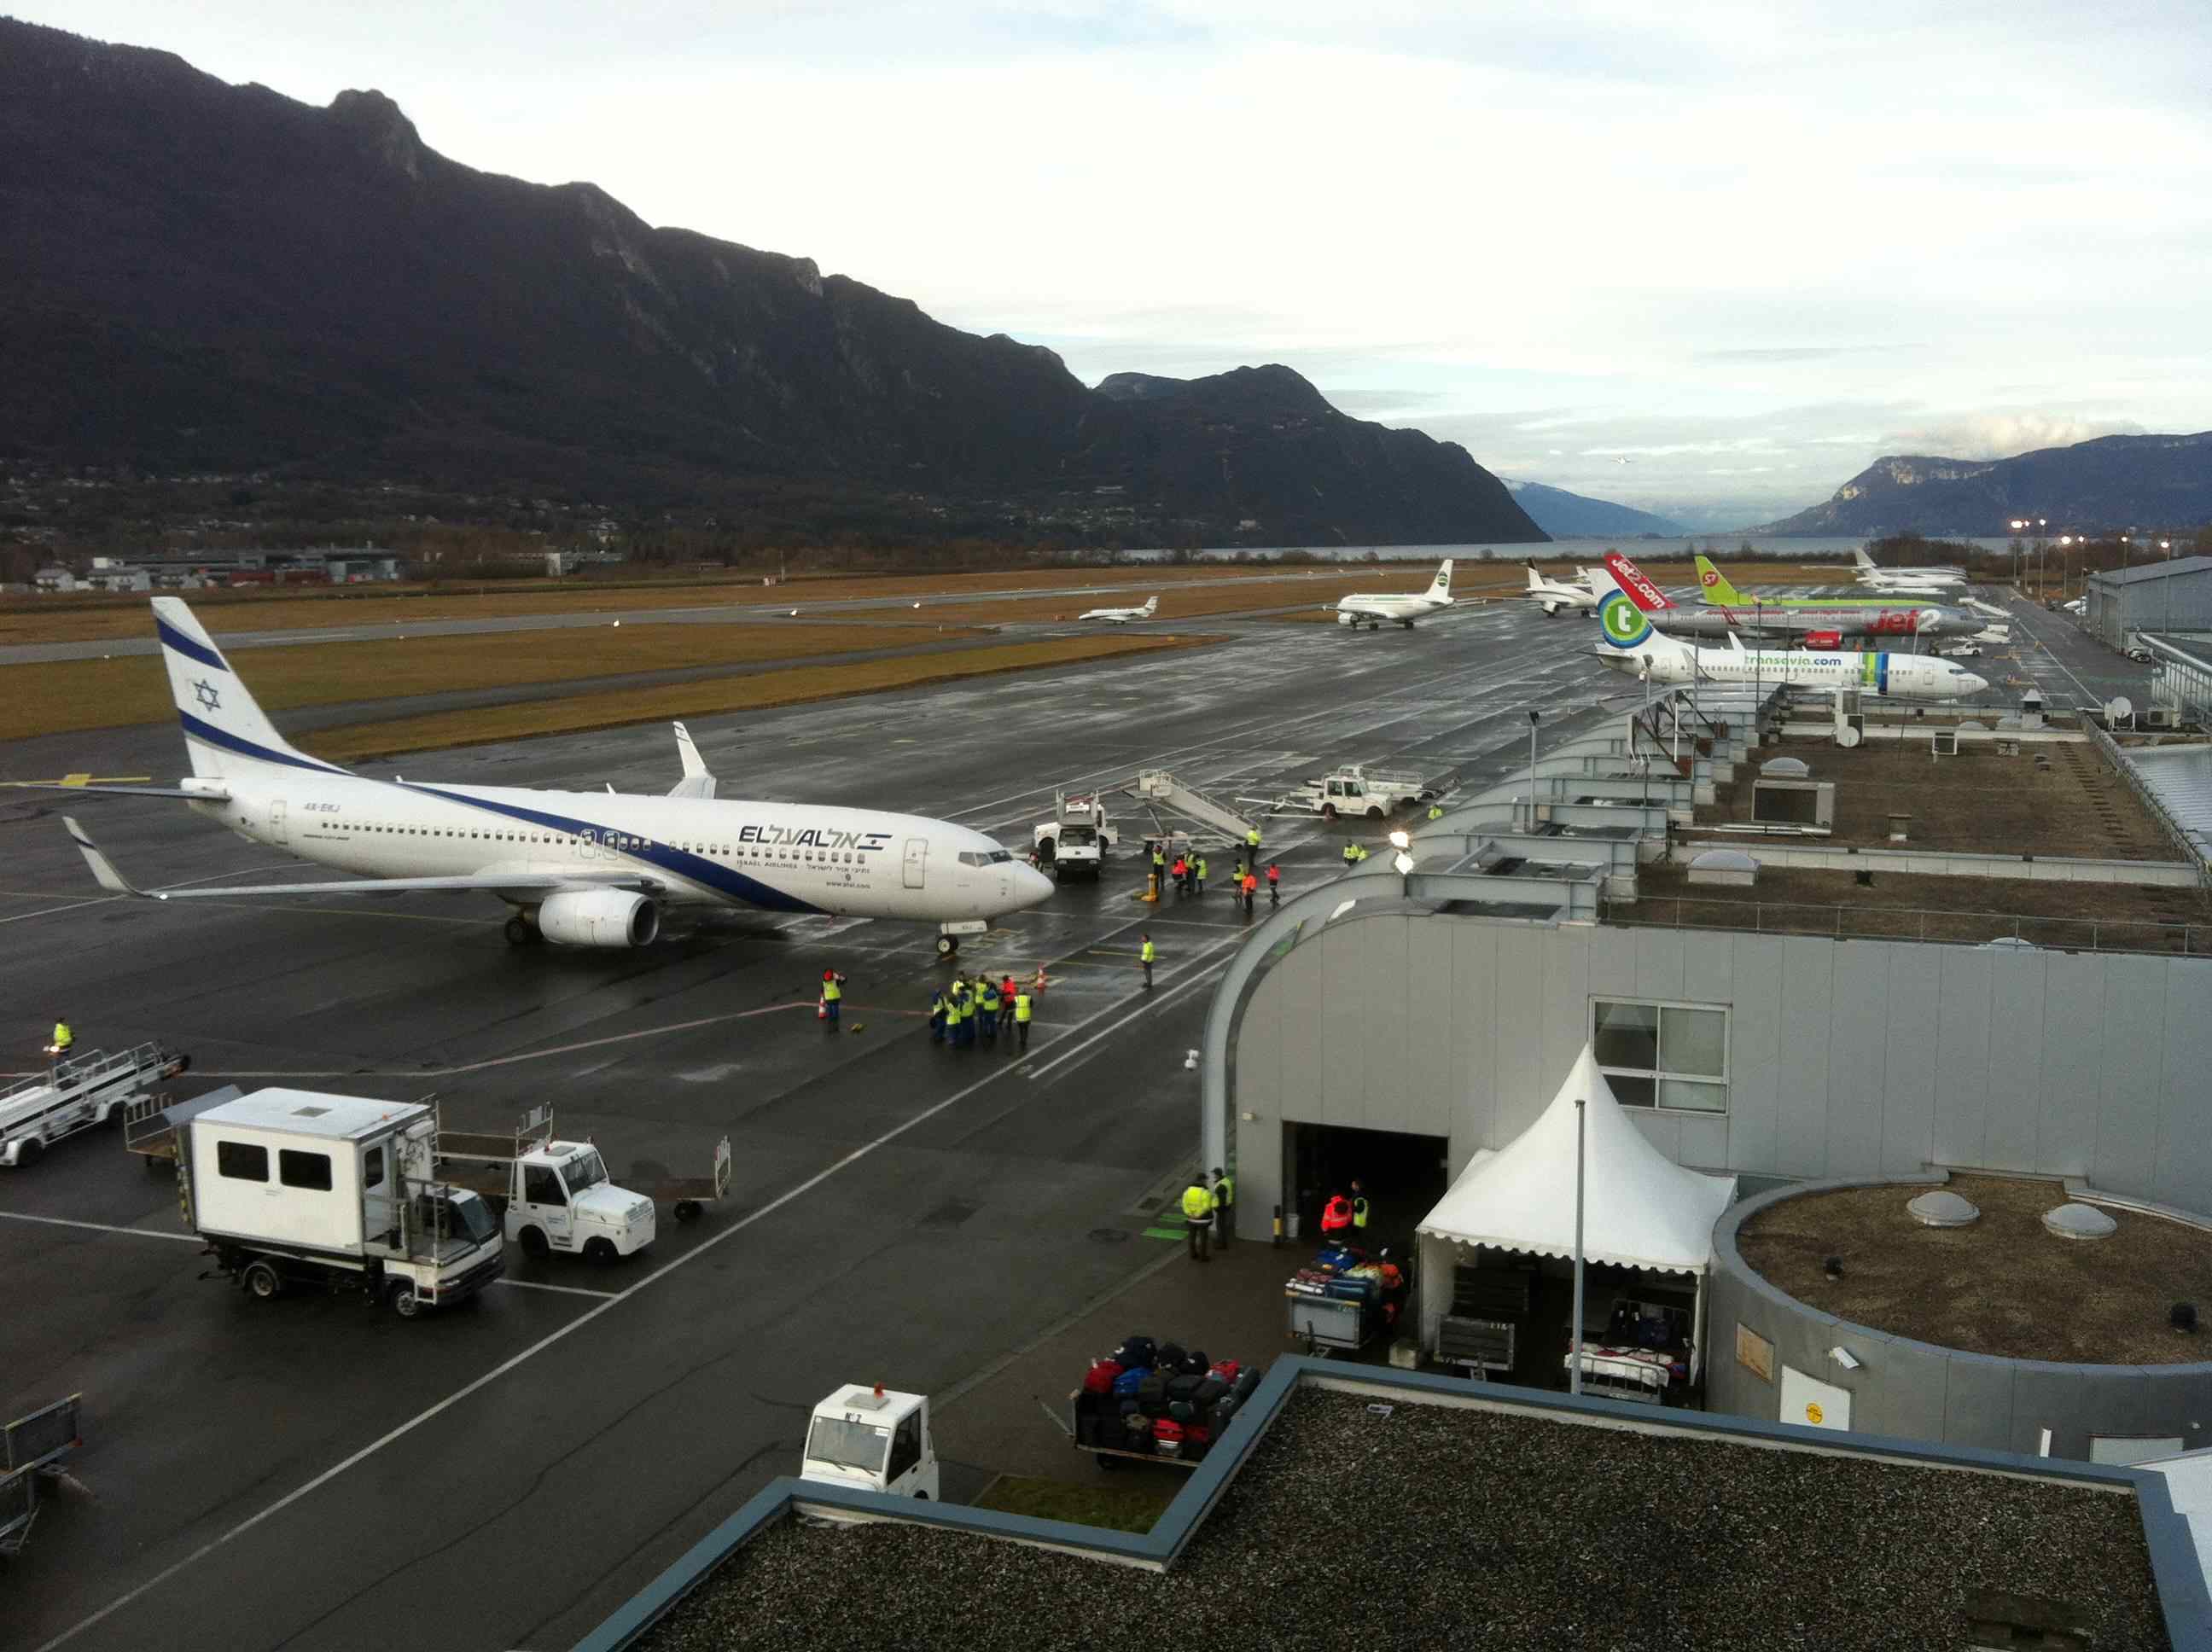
(1640, 1208)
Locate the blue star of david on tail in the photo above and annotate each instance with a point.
(209, 696)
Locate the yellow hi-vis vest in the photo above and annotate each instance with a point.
(1352, 854)
(1150, 953)
(1225, 1191)
(1197, 1203)
(990, 1000)
(1360, 1211)
(831, 992)
(62, 1037)
(1021, 1006)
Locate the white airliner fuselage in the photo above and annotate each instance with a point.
(1397, 608)
(1552, 595)
(586, 868)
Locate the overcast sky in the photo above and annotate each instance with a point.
(1746, 248)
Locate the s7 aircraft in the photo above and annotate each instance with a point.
(581, 868)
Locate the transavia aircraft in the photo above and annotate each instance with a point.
(1630, 645)
(1552, 595)
(1906, 581)
(1123, 616)
(1373, 611)
(583, 868)
(1821, 621)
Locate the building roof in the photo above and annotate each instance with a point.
(1641, 1209)
(2153, 571)
(2180, 778)
(1399, 1511)
(310, 1113)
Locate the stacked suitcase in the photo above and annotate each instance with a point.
(1158, 1399)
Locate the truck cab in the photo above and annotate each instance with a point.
(872, 1439)
(559, 1199)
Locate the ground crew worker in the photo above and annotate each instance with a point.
(1006, 996)
(967, 1014)
(1360, 852)
(1225, 1209)
(956, 1013)
(833, 994)
(1159, 867)
(1336, 1218)
(1350, 856)
(1251, 891)
(1022, 1009)
(1149, 954)
(1436, 811)
(1274, 885)
(1359, 1211)
(1181, 876)
(1201, 874)
(989, 1024)
(937, 1016)
(65, 1036)
(1252, 846)
(1198, 1217)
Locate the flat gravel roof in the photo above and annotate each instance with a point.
(1444, 1525)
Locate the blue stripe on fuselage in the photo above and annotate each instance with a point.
(173, 638)
(680, 862)
(214, 736)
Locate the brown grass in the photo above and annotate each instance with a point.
(67, 696)
(2001, 1285)
(754, 692)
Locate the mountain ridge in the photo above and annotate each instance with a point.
(1577, 516)
(221, 278)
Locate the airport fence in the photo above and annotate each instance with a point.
(1844, 922)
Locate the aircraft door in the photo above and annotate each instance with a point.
(276, 827)
(917, 861)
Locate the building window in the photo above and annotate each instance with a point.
(1672, 1056)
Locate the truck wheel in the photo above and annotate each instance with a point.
(405, 1302)
(27, 1154)
(261, 1282)
(687, 1210)
(1374, 813)
(600, 1252)
(157, 1166)
(534, 1244)
(947, 945)
(1328, 811)
(921, 1496)
(1107, 1465)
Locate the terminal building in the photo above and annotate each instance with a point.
(2168, 596)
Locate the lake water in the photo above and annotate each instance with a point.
(1719, 546)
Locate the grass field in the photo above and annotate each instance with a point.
(752, 692)
(1125, 1508)
(67, 696)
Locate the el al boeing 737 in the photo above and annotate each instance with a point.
(581, 868)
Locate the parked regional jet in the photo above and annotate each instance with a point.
(1398, 608)
(1822, 622)
(1906, 581)
(582, 868)
(1123, 616)
(1552, 595)
(1631, 644)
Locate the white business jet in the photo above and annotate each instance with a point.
(1905, 582)
(1397, 608)
(1631, 644)
(1123, 616)
(581, 868)
(1552, 595)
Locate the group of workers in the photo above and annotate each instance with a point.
(1187, 872)
(965, 1010)
(1208, 1217)
(1344, 1218)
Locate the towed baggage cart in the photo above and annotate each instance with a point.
(688, 1196)
(1112, 1456)
(34, 1448)
(79, 1092)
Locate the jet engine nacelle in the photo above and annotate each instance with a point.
(1824, 638)
(1550, 610)
(1347, 619)
(599, 917)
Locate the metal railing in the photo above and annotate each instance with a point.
(1847, 922)
(2192, 846)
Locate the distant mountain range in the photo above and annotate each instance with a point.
(2113, 483)
(200, 278)
(1570, 516)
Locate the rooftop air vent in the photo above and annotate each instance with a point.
(1786, 768)
(309, 1112)
(2080, 1222)
(1723, 866)
(1939, 1208)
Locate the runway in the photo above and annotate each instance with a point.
(307, 1473)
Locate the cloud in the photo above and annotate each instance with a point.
(2002, 436)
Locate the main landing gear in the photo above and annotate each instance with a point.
(522, 931)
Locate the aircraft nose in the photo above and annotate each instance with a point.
(1976, 684)
(1031, 887)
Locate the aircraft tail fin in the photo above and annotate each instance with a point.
(226, 731)
(1151, 605)
(696, 781)
(1717, 587)
(1440, 587)
(1536, 580)
(1631, 579)
(1624, 623)
(1860, 559)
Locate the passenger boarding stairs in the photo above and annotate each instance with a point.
(1163, 791)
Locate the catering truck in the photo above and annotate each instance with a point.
(294, 1188)
(555, 1195)
(872, 1439)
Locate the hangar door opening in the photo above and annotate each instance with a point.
(1404, 1177)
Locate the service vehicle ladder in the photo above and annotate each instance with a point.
(1159, 787)
(78, 1093)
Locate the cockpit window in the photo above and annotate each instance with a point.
(984, 857)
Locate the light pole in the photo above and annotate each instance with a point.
(1574, 1355)
(1532, 769)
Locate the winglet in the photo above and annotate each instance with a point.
(103, 869)
(696, 781)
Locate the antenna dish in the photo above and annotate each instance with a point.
(1848, 736)
(2119, 708)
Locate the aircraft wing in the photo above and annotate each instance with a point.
(696, 781)
(109, 878)
(205, 795)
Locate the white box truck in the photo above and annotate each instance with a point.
(297, 1188)
(872, 1439)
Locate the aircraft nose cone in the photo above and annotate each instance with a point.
(1976, 684)
(1031, 887)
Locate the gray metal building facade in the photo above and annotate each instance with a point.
(1845, 1058)
(2169, 596)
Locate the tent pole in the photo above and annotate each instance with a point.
(1574, 1351)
